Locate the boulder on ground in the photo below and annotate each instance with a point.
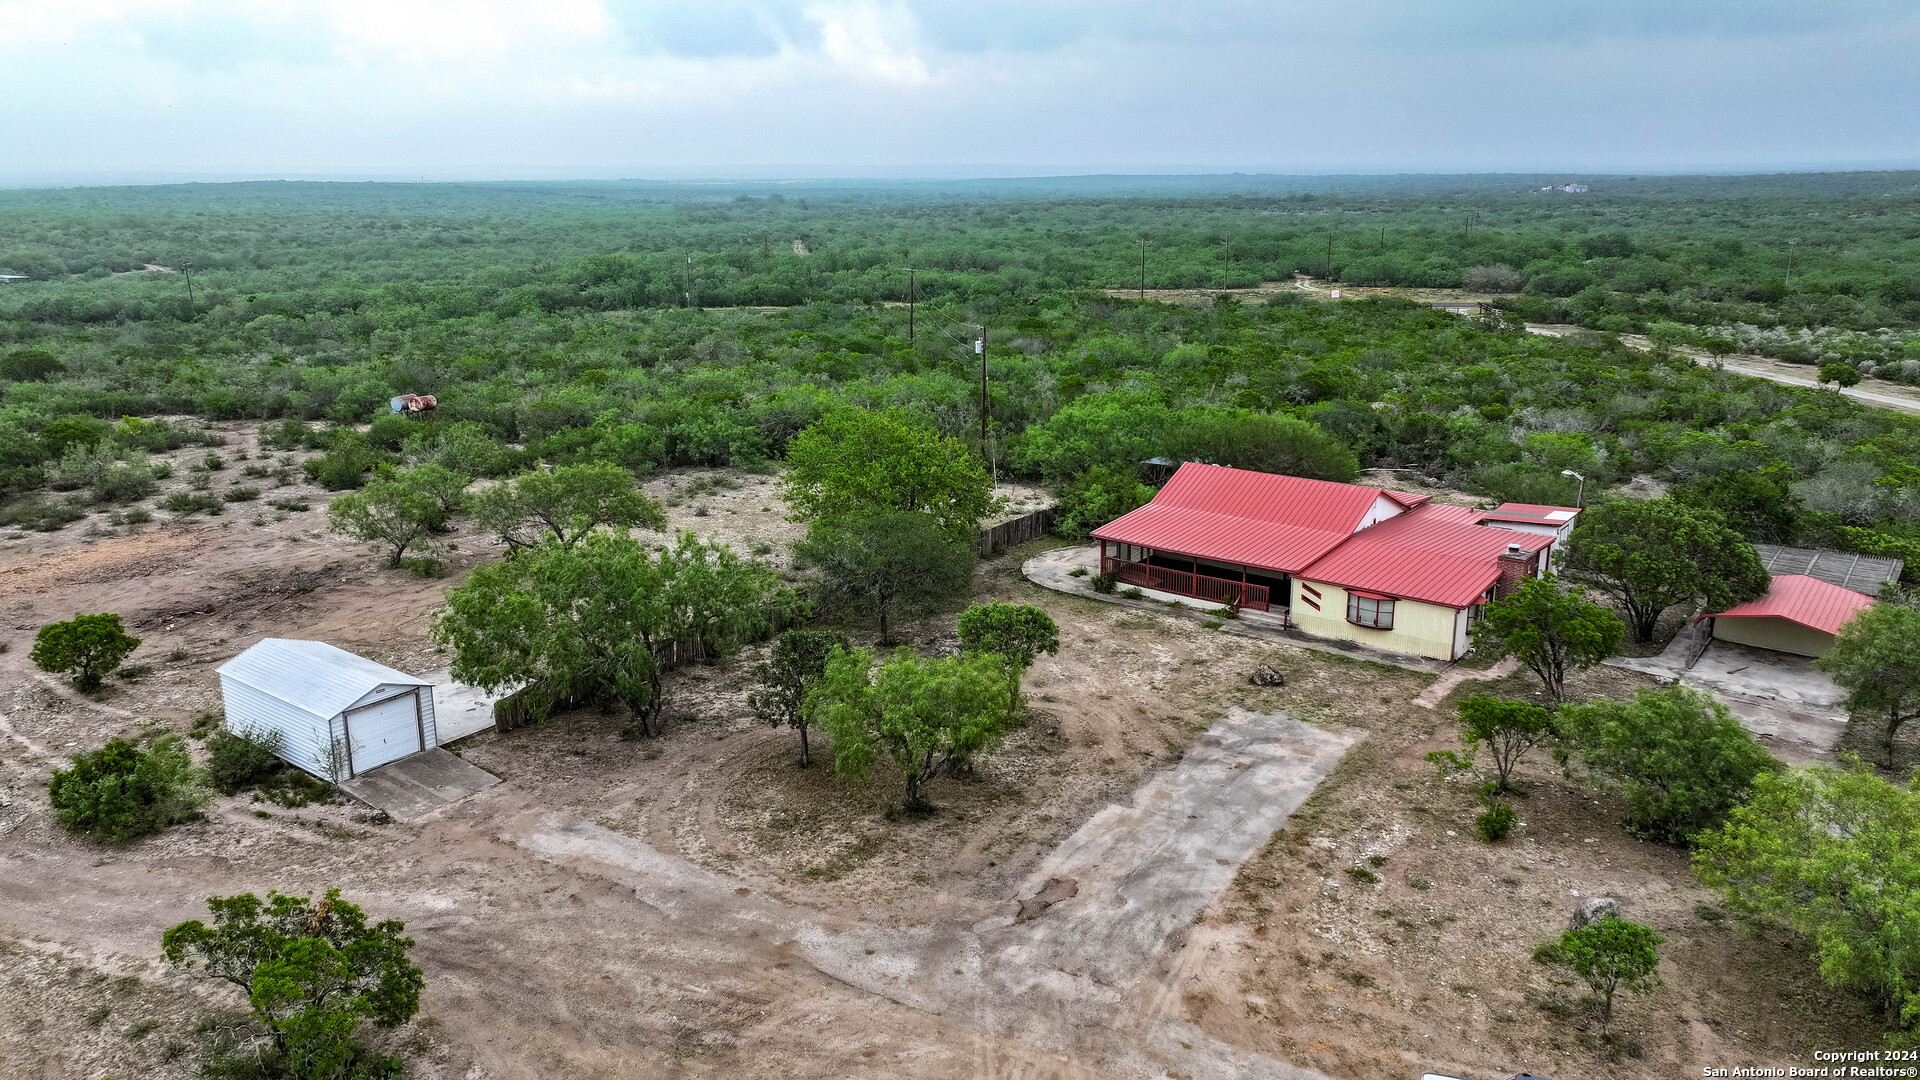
(1266, 675)
(1592, 908)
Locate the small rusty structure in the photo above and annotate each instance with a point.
(413, 404)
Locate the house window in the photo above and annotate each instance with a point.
(1374, 611)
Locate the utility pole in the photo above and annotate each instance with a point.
(1229, 245)
(187, 269)
(1143, 268)
(686, 281)
(980, 350)
(1329, 254)
(910, 273)
(1789, 282)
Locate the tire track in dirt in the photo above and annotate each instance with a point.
(1063, 978)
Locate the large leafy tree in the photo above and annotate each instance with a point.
(311, 973)
(860, 461)
(1015, 633)
(1683, 759)
(795, 664)
(1551, 629)
(565, 504)
(582, 622)
(88, 647)
(882, 562)
(1876, 658)
(926, 715)
(1655, 553)
(1834, 853)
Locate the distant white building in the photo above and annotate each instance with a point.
(1571, 189)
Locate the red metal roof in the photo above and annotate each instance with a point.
(1435, 553)
(1255, 519)
(1807, 601)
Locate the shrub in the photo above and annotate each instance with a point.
(187, 503)
(1496, 823)
(124, 483)
(1681, 756)
(1106, 583)
(1611, 955)
(40, 515)
(237, 760)
(1133, 594)
(240, 494)
(88, 647)
(120, 792)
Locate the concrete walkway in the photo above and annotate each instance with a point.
(418, 784)
(1086, 959)
(1442, 686)
(459, 710)
(1054, 570)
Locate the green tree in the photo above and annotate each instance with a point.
(926, 715)
(1263, 442)
(1551, 629)
(89, 647)
(1653, 554)
(883, 562)
(1611, 955)
(120, 792)
(1876, 659)
(1761, 506)
(859, 461)
(1016, 633)
(1835, 854)
(1508, 729)
(795, 664)
(1096, 497)
(446, 487)
(389, 514)
(581, 623)
(715, 600)
(1682, 758)
(311, 974)
(568, 503)
(1842, 375)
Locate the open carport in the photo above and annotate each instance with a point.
(1799, 615)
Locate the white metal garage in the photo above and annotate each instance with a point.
(337, 715)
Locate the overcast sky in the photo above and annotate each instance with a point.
(576, 88)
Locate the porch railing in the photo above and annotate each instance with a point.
(1200, 586)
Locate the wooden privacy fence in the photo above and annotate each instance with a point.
(992, 541)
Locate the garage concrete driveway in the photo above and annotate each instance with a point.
(418, 784)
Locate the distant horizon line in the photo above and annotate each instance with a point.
(951, 173)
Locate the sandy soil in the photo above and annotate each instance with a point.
(543, 964)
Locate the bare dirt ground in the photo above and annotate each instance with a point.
(592, 960)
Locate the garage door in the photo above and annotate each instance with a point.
(385, 730)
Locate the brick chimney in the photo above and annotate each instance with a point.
(1516, 564)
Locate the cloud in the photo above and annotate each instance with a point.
(640, 85)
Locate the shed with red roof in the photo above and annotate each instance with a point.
(1799, 615)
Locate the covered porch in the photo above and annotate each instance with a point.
(1230, 585)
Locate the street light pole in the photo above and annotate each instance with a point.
(1580, 500)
